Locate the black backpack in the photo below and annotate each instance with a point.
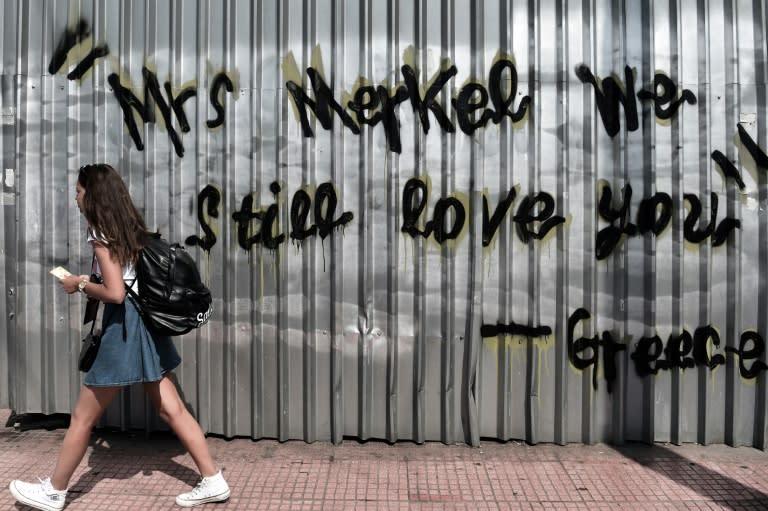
(172, 300)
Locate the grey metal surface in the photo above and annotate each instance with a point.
(368, 330)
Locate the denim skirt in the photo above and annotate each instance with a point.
(129, 353)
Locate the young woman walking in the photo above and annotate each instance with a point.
(128, 354)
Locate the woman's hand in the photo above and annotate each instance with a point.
(70, 282)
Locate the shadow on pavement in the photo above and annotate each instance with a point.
(122, 455)
(114, 454)
(32, 421)
(724, 490)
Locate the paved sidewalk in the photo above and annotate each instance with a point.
(130, 471)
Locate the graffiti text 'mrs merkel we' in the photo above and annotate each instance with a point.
(474, 106)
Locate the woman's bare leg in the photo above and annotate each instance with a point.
(172, 410)
(91, 404)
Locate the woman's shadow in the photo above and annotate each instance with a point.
(119, 454)
(124, 455)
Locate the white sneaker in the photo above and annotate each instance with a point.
(38, 495)
(209, 489)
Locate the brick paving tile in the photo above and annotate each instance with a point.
(137, 471)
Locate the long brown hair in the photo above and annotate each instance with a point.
(110, 212)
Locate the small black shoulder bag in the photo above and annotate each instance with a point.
(89, 347)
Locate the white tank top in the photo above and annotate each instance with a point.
(129, 271)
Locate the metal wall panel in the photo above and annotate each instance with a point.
(454, 322)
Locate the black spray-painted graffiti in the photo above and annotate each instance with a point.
(259, 225)
(655, 213)
(474, 107)
(373, 105)
(153, 95)
(683, 351)
(538, 208)
(71, 38)
(610, 92)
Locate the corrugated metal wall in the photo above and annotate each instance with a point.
(466, 220)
